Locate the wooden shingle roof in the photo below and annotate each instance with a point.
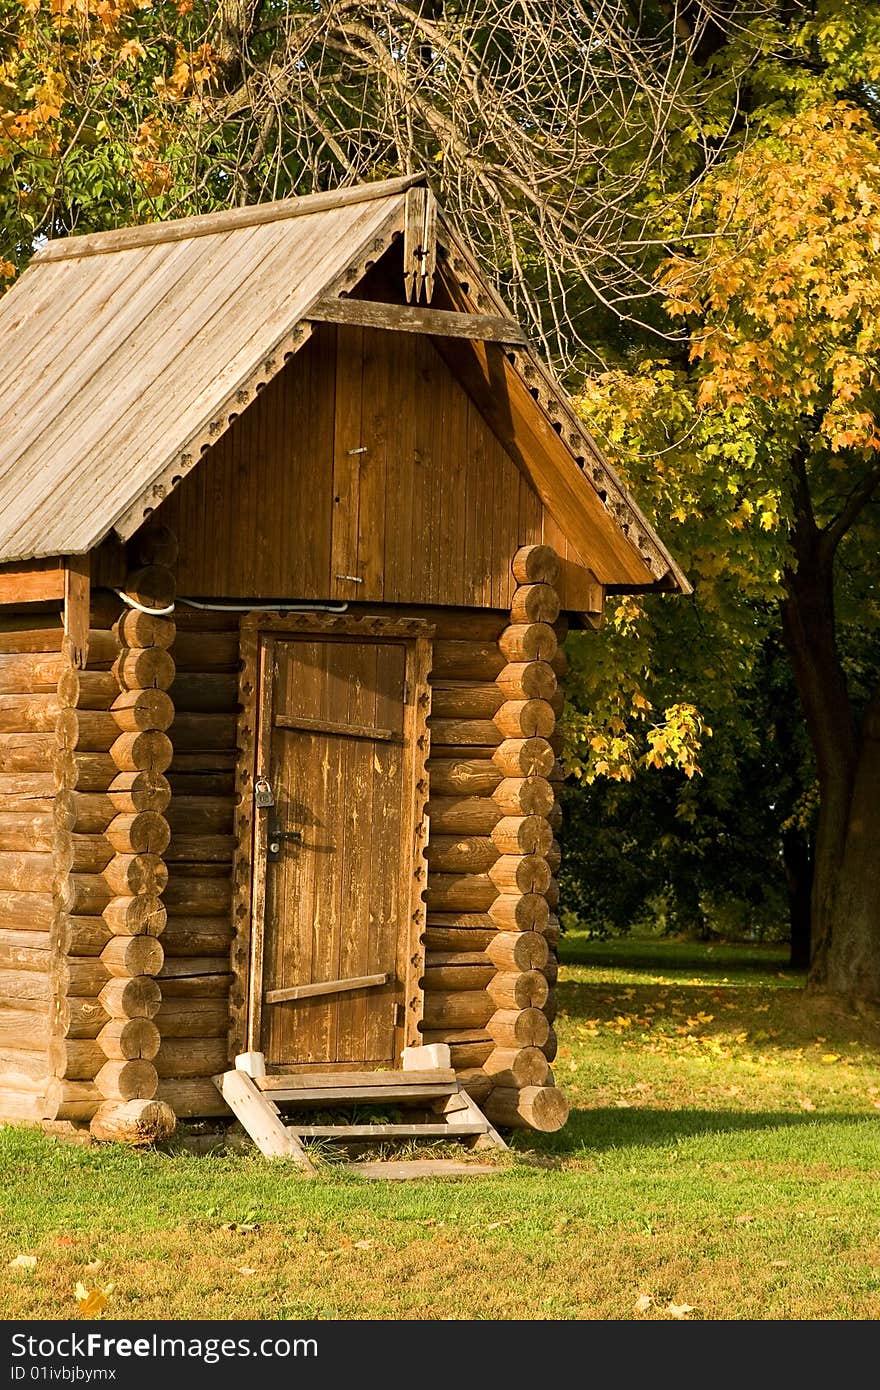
(124, 355)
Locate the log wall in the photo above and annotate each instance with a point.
(110, 835)
(195, 979)
(116, 853)
(491, 936)
(33, 662)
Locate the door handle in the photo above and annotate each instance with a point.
(275, 837)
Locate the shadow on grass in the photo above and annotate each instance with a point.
(606, 1128)
(671, 958)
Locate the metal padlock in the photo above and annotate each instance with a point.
(263, 796)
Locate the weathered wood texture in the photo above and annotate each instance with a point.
(362, 472)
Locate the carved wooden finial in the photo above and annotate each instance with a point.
(420, 245)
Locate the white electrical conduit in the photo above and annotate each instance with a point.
(233, 607)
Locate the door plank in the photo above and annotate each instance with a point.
(359, 871)
(281, 996)
(327, 726)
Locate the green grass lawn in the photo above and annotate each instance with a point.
(723, 1153)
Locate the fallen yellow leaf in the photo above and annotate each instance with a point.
(643, 1302)
(680, 1310)
(23, 1262)
(831, 1057)
(92, 1301)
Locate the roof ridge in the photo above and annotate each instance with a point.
(213, 223)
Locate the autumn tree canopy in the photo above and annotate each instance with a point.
(764, 450)
(559, 134)
(682, 193)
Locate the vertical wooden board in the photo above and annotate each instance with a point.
(314, 464)
(77, 607)
(424, 520)
(450, 453)
(506, 483)
(388, 853)
(377, 418)
(301, 769)
(263, 495)
(400, 475)
(331, 903)
(356, 918)
(347, 443)
(263, 768)
(481, 507)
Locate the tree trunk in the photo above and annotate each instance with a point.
(797, 865)
(810, 637)
(852, 965)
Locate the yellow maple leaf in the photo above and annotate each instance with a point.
(92, 1301)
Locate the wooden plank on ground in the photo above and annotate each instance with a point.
(402, 1131)
(402, 1170)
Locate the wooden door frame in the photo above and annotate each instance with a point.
(248, 880)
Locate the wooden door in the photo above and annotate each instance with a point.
(338, 854)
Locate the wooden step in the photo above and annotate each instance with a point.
(360, 1095)
(365, 1088)
(254, 1097)
(341, 1080)
(402, 1131)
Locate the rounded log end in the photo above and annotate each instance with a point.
(136, 1079)
(536, 564)
(545, 1107)
(154, 544)
(133, 1122)
(542, 1108)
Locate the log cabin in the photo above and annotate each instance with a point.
(293, 523)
